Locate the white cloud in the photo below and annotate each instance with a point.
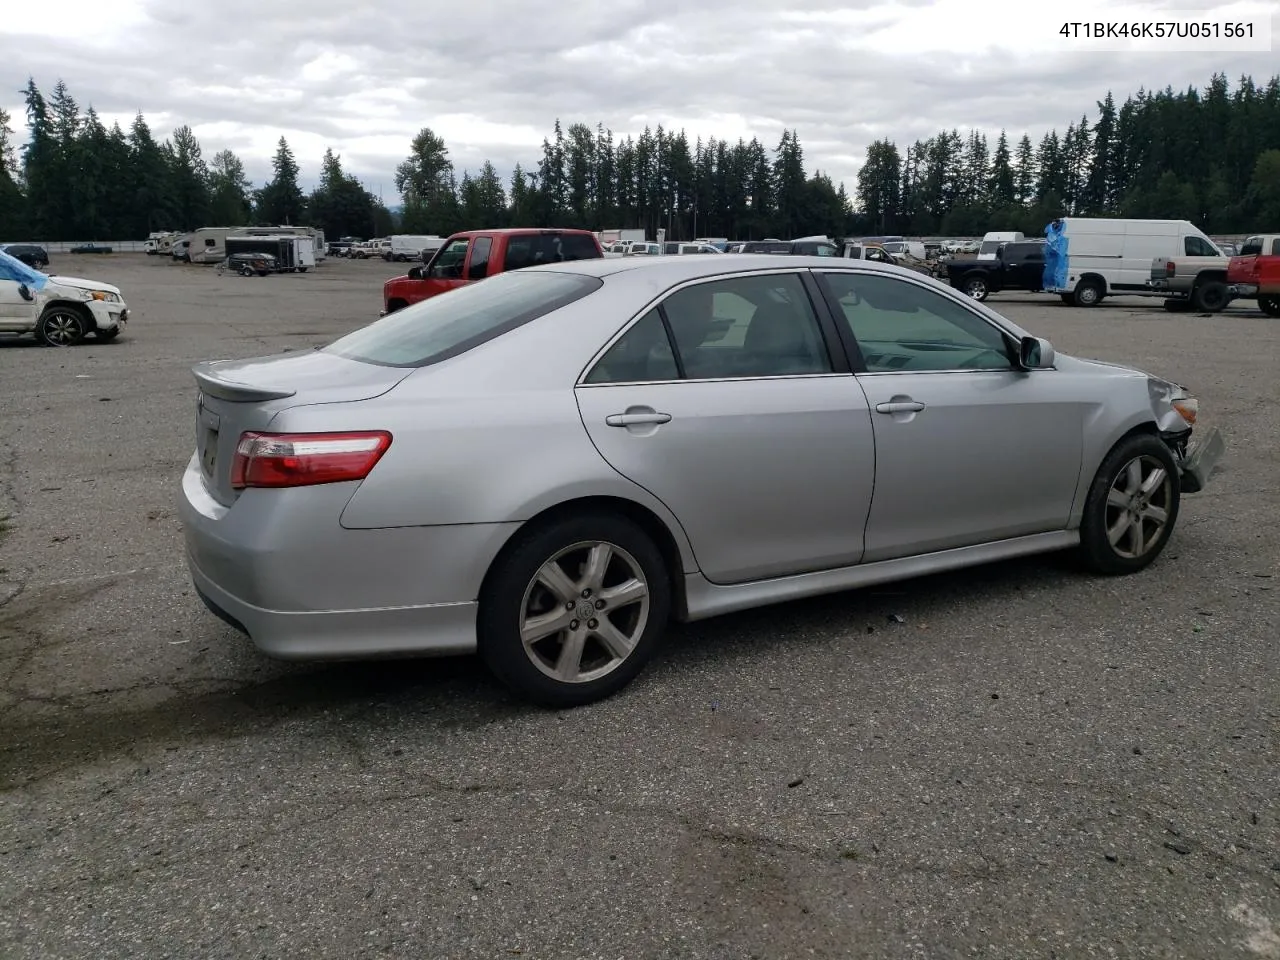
(492, 78)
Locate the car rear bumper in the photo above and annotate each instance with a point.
(278, 566)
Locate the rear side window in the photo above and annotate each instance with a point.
(531, 249)
(1251, 247)
(1275, 247)
(446, 326)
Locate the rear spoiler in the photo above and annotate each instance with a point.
(213, 385)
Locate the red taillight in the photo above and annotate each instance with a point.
(1170, 269)
(303, 459)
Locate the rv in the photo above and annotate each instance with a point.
(408, 246)
(316, 234)
(209, 244)
(294, 252)
(1088, 259)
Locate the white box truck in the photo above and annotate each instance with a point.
(1088, 259)
(410, 246)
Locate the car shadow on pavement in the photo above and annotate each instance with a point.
(457, 692)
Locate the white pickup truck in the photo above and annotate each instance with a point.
(60, 311)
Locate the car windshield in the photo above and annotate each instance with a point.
(452, 323)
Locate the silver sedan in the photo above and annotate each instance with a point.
(549, 466)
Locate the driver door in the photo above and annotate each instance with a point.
(17, 313)
(445, 270)
(969, 448)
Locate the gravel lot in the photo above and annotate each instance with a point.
(1033, 763)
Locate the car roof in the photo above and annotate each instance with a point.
(673, 270)
(510, 231)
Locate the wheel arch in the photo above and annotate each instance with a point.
(1096, 278)
(655, 527)
(1089, 468)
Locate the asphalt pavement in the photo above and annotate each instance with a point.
(1019, 760)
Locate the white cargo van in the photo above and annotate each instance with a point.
(993, 241)
(1088, 259)
(405, 246)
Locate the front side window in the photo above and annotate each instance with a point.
(448, 265)
(445, 326)
(903, 326)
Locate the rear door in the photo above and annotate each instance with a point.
(728, 404)
(480, 258)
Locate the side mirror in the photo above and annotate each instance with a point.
(25, 293)
(415, 273)
(1035, 353)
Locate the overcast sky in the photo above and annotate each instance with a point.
(491, 76)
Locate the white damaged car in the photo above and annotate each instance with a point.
(60, 311)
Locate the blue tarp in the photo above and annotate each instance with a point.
(1055, 256)
(13, 269)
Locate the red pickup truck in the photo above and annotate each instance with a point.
(1255, 272)
(475, 254)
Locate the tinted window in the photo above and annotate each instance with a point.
(1196, 247)
(990, 247)
(448, 264)
(1024, 251)
(478, 268)
(642, 353)
(531, 249)
(900, 325)
(762, 326)
(1275, 247)
(445, 326)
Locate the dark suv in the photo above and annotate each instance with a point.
(32, 254)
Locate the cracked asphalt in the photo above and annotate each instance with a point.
(1032, 763)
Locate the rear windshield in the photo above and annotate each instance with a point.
(990, 246)
(531, 249)
(452, 323)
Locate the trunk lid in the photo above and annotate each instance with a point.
(238, 395)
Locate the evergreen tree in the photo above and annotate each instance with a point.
(281, 201)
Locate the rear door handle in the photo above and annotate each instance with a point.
(631, 419)
(900, 406)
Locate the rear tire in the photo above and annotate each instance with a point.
(559, 633)
(1088, 293)
(1132, 506)
(1210, 296)
(1270, 306)
(61, 326)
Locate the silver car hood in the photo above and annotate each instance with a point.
(79, 283)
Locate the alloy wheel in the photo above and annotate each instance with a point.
(1138, 506)
(584, 612)
(62, 329)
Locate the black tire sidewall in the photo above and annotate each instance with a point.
(979, 282)
(1205, 304)
(498, 618)
(1079, 297)
(1095, 547)
(42, 336)
(1270, 306)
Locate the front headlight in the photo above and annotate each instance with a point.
(104, 295)
(1167, 394)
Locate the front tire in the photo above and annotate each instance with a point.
(975, 286)
(60, 326)
(1132, 506)
(1270, 306)
(571, 612)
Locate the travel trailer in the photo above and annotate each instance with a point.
(1088, 259)
(209, 244)
(294, 252)
(407, 246)
(317, 235)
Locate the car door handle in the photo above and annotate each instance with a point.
(631, 419)
(900, 406)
